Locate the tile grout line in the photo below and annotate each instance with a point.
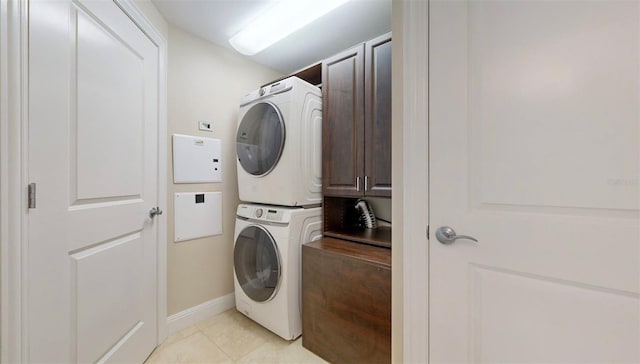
(201, 330)
(217, 327)
(216, 345)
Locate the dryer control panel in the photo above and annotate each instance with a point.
(275, 88)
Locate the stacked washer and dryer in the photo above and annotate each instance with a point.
(278, 146)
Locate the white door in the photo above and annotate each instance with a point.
(534, 151)
(93, 124)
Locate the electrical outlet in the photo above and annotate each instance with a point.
(205, 125)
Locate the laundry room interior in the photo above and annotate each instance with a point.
(278, 181)
(208, 82)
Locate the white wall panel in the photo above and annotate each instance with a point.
(198, 214)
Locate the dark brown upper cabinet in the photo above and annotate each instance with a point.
(377, 116)
(343, 123)
(356, 126)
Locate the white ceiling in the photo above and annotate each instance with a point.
(218, 20)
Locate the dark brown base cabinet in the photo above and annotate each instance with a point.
(346, 301)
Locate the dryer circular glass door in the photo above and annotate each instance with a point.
(260, 139)
(256, 261)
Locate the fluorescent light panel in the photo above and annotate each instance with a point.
(282, 19)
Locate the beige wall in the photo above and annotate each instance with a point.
(205, 82)
(397, 173)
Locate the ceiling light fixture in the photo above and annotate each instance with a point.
(282, 19)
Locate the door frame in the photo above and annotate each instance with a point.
(410, 205)
(14, 146)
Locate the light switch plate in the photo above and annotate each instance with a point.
(205, 125)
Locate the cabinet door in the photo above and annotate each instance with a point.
(378, 116)
(343, 124)
(346, 301)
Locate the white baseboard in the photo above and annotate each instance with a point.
(195, 314)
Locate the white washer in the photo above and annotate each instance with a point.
(278, 144)
(267, 260)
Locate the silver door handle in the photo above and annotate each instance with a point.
(154, 211)
(358, 184)
(447, 235)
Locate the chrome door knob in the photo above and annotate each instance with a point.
(447, 235)
(154, 211)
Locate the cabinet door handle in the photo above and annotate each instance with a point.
(358, 184)
(366, 183)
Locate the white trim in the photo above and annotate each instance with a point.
(132, 10)
(14, 174)
(415, 48)
(397, 327)
(21, 166)
(195, 314)
(4, 189)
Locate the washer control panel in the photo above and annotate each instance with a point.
(266, 213)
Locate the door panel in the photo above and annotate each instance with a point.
(343, 123)
(533, 312)
(107, 296)
(109, 82)
(378, 116)
(534, 151)
(93, 124)
(556, 92)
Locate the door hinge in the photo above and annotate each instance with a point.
(31, 199)
(427, 232)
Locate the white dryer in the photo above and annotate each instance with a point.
(278, 144)
(267, 262)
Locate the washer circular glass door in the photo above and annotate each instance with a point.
(256, 261)
(260, 139)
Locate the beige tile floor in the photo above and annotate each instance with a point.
(230, 337)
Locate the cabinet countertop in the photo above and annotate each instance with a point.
(368, 253)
